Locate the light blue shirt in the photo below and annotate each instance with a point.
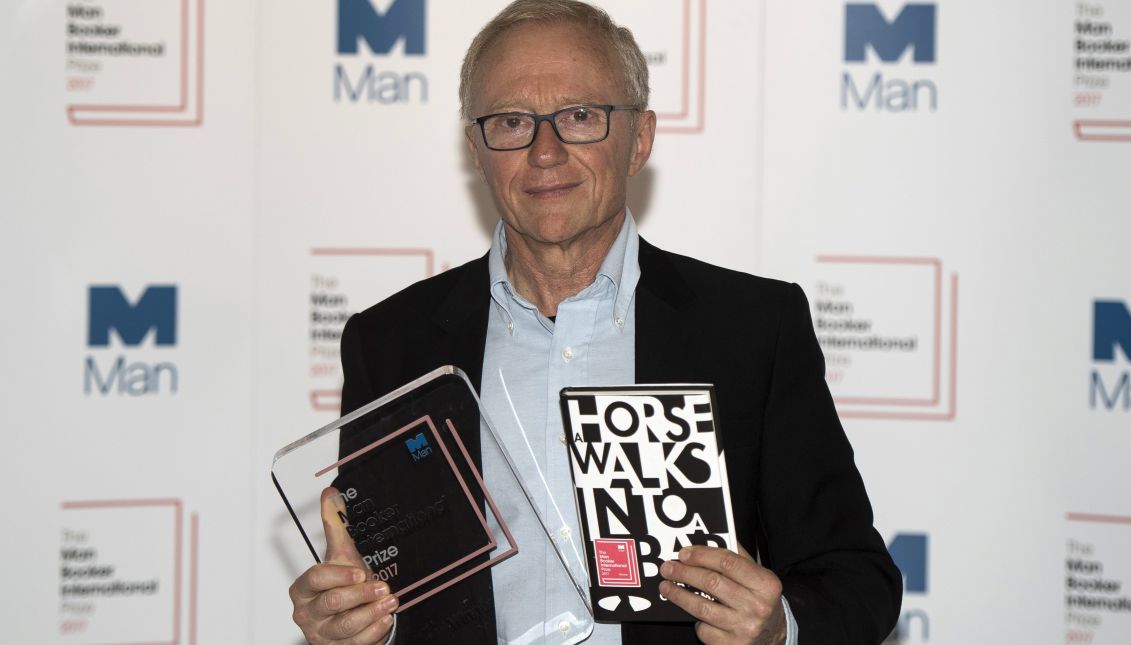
(527, 360)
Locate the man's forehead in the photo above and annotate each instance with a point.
(543, 65)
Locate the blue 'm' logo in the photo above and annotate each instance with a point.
(909, 550)
(1112, 327)
(914, 27)
(360, 20)
(155, 309)
(419, 442)
(418, 447)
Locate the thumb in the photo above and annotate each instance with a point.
(340, 548)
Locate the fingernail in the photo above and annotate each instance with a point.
(359, 576)
(387, 620)
(389, 603)
(339, 505)
(665, 586)
(380, 589)
(684, 553)
(666, 569)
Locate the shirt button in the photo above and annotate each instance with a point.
(561, 438)
(563, 627)
(564, 532)
(619, 322)
(567, 354)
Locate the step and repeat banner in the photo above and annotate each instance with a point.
(197, 194)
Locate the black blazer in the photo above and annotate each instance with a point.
(799, 501)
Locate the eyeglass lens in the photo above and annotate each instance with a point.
(574, 125)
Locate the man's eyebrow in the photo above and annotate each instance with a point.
(518, 105)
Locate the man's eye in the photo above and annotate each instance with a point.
(512, 122)
(580, 115)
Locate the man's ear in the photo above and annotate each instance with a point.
(642, 141)
(469, 135)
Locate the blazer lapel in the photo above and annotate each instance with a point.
(665, 351)
(665, 334)
(462, 319)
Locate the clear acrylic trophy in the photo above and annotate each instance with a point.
(431, 499)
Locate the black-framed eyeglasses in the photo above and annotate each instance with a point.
(573, 124)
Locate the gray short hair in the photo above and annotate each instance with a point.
(594, 19)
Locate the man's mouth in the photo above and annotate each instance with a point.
(552, 191)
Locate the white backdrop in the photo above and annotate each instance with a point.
(948, 181)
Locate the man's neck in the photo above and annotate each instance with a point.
(547, 274)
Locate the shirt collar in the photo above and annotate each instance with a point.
(621, 268)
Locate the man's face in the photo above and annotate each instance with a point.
(552, 192)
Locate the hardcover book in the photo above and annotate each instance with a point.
(649, 479)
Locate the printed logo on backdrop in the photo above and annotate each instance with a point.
(127, 572)
(130, 63)
(890, 51)
(673, 37)
(379, 46)
(910, 553)
(129, 341)
(888, 327)
(344, 281)
(1101, 77)
(1097, 568)
(1109, 384)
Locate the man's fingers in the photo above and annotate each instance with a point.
(355, 621)
(709, 634)
(749, 596)
(340, 548)
(372, 635)
(739, 568)
(342, 599)
(321, 577)
(699, 607)
(716, 584)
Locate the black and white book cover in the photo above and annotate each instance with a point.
(649, 479)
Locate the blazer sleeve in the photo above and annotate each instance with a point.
(841, 583)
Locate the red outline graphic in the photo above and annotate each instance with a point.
(178, 548)
(492, 544)
(952, 402)
(937, 336)
(428, 254)
(685, 101)
(1097, 518)
(1122, 130)
(194, 566)
(326, 400)
(180, 108)
(330, 400)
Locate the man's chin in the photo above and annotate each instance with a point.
(558, 224)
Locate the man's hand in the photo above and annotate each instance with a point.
(747, 606)
(335, 602)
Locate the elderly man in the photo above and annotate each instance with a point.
(555, 97)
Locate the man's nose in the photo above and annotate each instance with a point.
(547, 150)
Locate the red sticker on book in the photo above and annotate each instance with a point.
(616, 563)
